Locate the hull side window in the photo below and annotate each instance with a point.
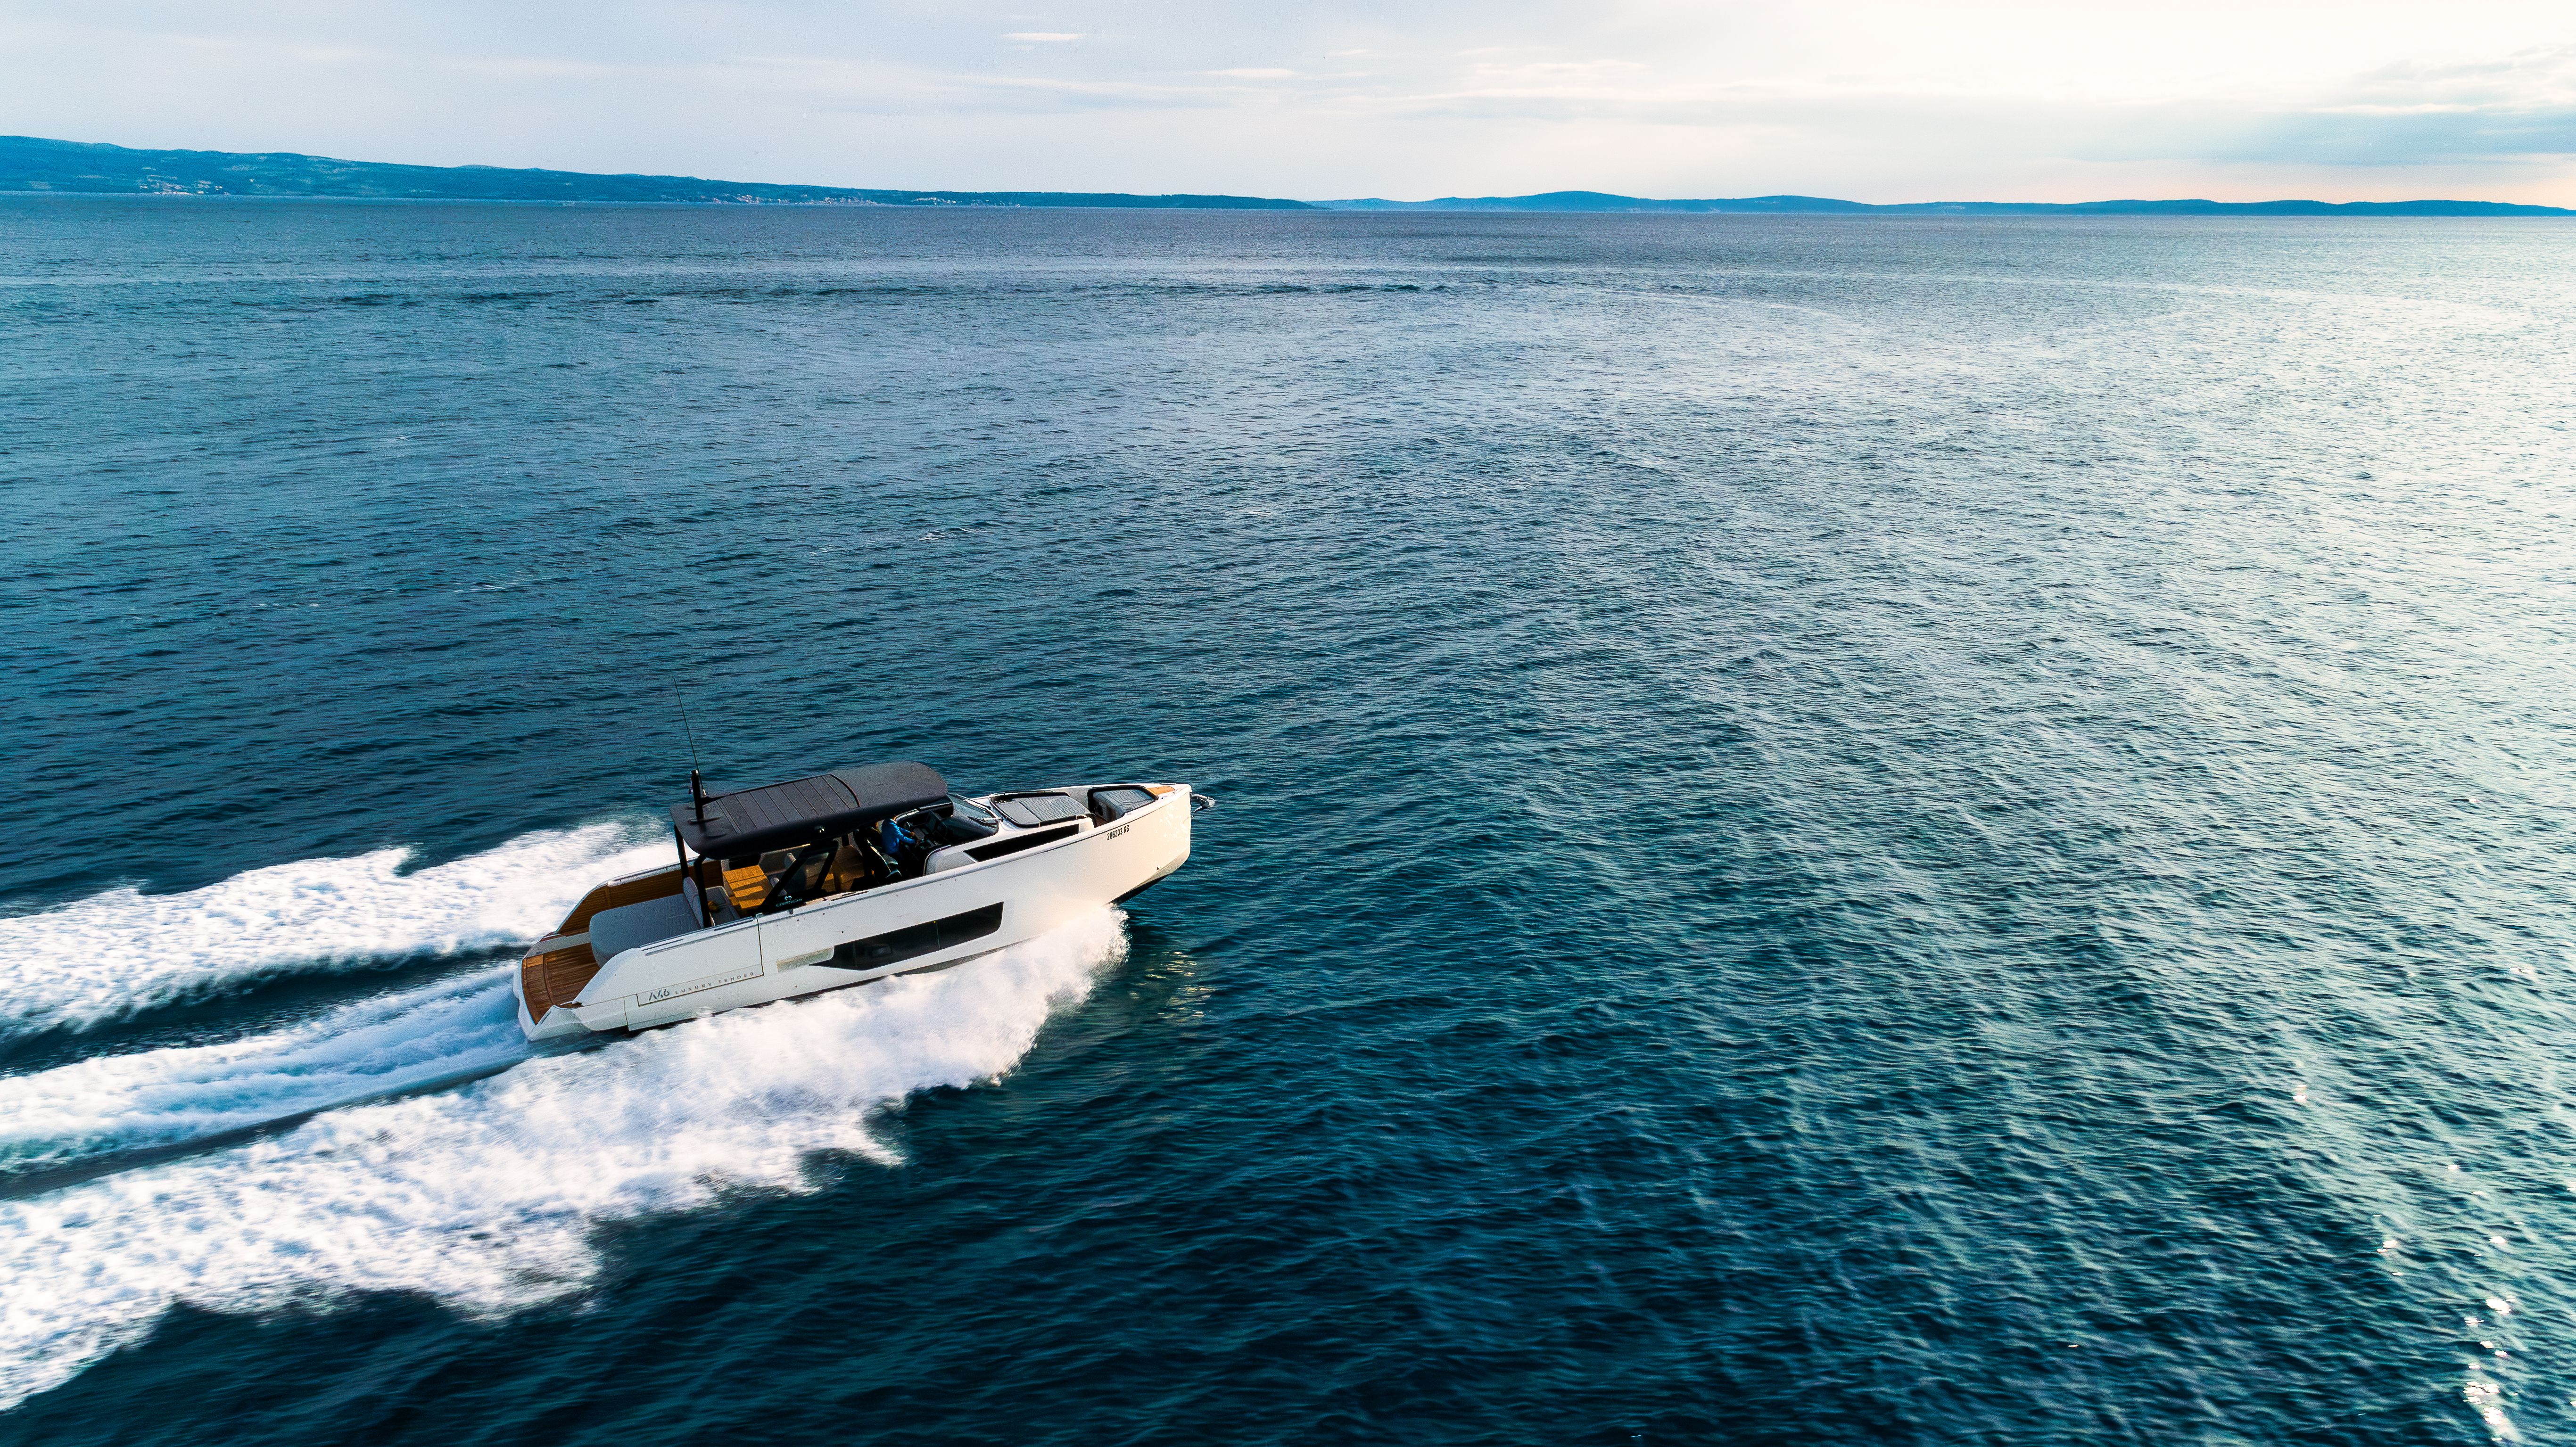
(974, 924)
(914, 941)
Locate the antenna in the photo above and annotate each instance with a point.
(691, 733)
(697, 789)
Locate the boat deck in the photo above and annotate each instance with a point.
(554, 977)
(558, 966)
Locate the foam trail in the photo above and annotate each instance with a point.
(117, 1103)
(485, 1196)
(123, 952)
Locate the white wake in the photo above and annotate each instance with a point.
(485, 1196)
(122, 952)
(376, 1047)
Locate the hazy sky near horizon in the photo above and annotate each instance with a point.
(1868, 99)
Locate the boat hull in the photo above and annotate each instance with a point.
(916, 925)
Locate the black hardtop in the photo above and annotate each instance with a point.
(807, 810)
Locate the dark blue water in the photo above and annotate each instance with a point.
(1832, 830)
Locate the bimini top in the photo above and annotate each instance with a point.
(805, 811)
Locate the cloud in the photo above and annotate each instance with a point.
(2344, 136)
(1043, 37)
(2531, 78)
(1256, 73)
(2514, 110)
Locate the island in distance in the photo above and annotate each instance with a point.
(33, 164)
(30, 163)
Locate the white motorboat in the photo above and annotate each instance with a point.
(840, 879)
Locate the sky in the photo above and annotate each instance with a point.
(1869, 100)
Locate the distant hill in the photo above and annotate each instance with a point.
(1826, 206)
(28, 163)
(33, 164)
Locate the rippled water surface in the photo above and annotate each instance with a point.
(1891, 830)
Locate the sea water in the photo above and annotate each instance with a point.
(1895, 830)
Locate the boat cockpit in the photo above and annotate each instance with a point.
(772, 849)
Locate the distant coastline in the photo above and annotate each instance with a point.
(35, 165)
(1601, 201)
(30, 164)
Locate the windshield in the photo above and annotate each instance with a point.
(974, 811)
